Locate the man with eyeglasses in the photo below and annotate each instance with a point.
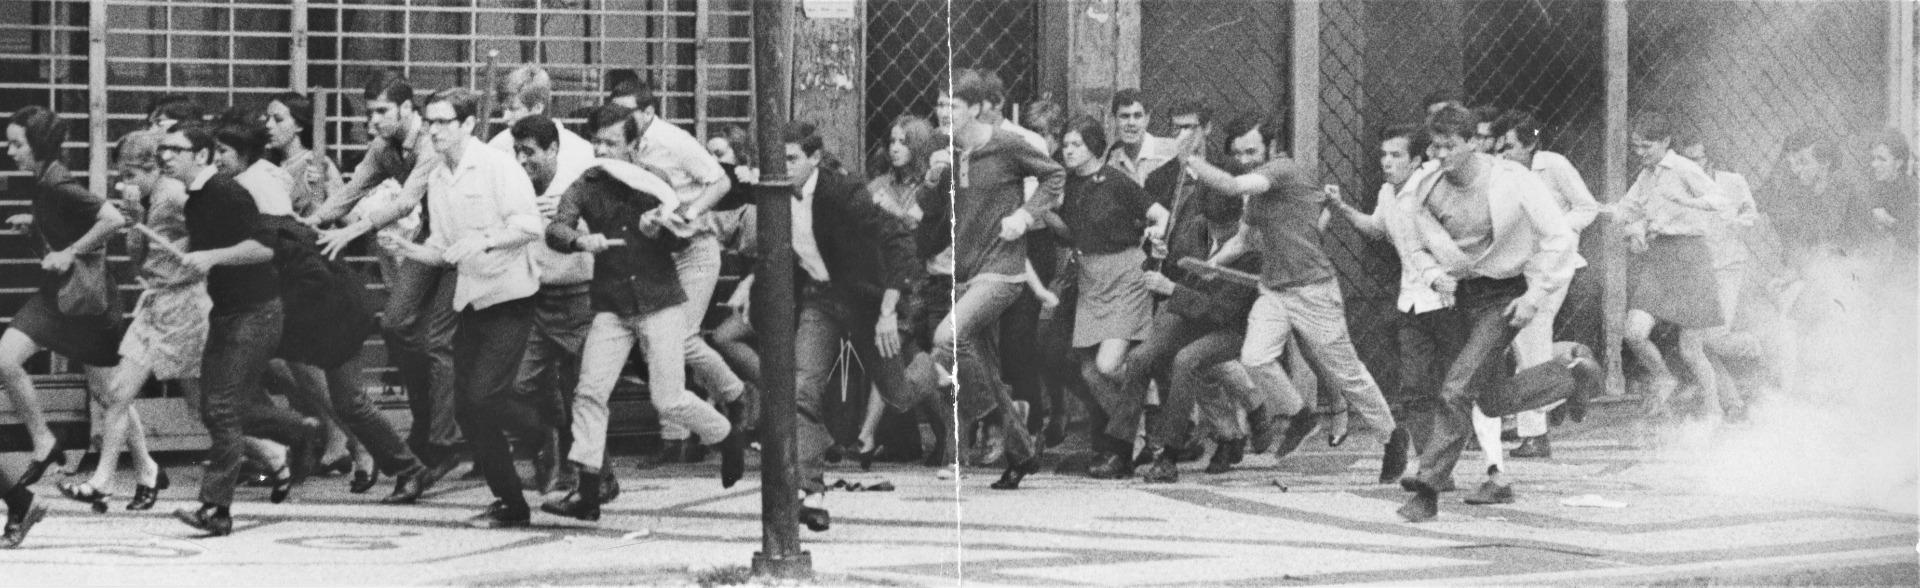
(228, 244)
(482, 222)
(418, 321)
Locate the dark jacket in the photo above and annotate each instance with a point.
(328, 317)
(867, 250)
(1221, 301)
(635, 279)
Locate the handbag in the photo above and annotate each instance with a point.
(88, 290)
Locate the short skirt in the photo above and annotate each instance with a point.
(91, 340)
(1114, 302)
(1674, 281)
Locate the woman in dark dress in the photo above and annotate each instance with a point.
(71, 224)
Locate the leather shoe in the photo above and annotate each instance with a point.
(609, 486)
(1112, 466)
(733, 449)
(583, 503)
(1533, 447)
(1225, 454)
(1299, 426)
(1424, 505)
(1490, 493)
(409, 485)
(1260, 429)
(1393, 462)
(17, 527)
(1165, 469)
(209, 518)
(501, 516)
(816, 519)
(1010, 479)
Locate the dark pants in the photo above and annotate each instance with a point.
(240, 341)
(551, 369)
(1020, 352)
(1412, 401)
(347, 392)
(974, 346)
(1176, 351)
(418, 324)
(1471, 340)
(825, 320)
(487, 350)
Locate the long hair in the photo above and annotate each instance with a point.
(45, 132)
(301, 108)
(920, 147)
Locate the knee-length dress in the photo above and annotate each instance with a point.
(169, 329)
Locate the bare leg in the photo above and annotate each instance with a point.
(1637, 340)
(871, 425)
(122, 425)
(15, 348)
(1693, 352)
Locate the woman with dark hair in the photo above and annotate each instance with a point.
(73, 225)
(1667, 215)
(1104, 215)
(1893, 200)
(290, 132)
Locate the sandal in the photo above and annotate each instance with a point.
(82, 492)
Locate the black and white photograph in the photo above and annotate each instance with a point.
(1117, 293)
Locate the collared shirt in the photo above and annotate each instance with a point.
(636, 279)
(385, 160)
(486, 194)
(1530, 234)
(272, 187)
(689, 168)
(806, 251)
(1153, 153)
(576, 155)
(1416, 295)
(988, 183)
(1569, 189)
(1673, 197)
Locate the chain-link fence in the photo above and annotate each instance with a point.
(914, 45)
(1229, 52)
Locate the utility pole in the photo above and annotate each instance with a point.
(774, 305)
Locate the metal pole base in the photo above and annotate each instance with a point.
(798, 566)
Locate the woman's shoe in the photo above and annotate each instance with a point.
(363, 481)
(282, 485)
(867, 457)
(145, 496)
(37, 468)
(84, 492)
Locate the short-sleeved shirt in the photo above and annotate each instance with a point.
(1286, 224)
(1105, 212)
(221, 214)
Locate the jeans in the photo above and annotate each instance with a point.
(550, 371)
(1317, 314)
(347, 392)
(605, 353)
(487, 350)
(240, 341)
(418, 325)
(825, 320)
(1531, 346)
(1471, 340)
(699, 268)
(972, 345)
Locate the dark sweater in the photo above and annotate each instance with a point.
(222, 214)
(989, 186)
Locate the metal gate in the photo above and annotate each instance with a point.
(236, 53)
(914, 45)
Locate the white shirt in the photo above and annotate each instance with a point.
(805, 249)
(1416, 296)
(1038, 142)
(485, 195)
(1569, 190)
(689, 168)
(576, 156)
(271, 187)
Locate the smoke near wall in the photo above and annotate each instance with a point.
(1841, 430)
